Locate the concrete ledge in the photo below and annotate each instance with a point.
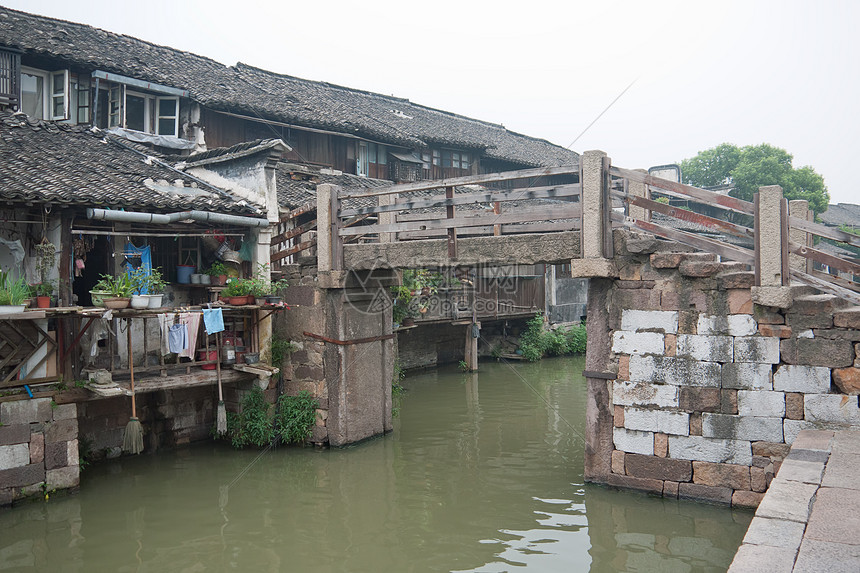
(589, 268)
(779, 297)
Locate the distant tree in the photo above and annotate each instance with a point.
(748, 168)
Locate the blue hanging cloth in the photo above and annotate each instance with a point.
(213, 319)
(145, 261)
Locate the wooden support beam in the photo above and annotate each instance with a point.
(452, 231)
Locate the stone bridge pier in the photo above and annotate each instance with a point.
(342, 328)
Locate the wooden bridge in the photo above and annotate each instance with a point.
(560, 214)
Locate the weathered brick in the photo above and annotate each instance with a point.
(705, 493)
(847, 318)
(698, 269)
(817, 304)
(831, 408)
(23, 475)
(776, 450)
(740, 301)
(661, 445)
(14, 456)
(710, 449)
(25, 411)
(747, 376)
(728, 401)
(657, 468)
(56, 455)
(666, 260)
(737, 280)
(37, 448)
(847, 380)
(670, 489)
(696, 424)
(617, 462)
(764, 315)
(65, 412)
(629, 482)
(633, 442)
(721, 475)
(748, 499)
(750, 428)
(757, 480)
(806, 379)
(794, 405)
(699, 399)
(817, 352)
(675, 371)
(800, 322)
(774, 330)
(732, 325)
(644, 394)
(62, 431)
(761, 461)
(624, 342)
(687, 321)
(623, 367)
(761, 403)
(705, 348)
(17, 434)
(618, 416)
(837, 334)
(63, 478)
(671, 342)
(657, 421)
(761, 349)
(649, 321)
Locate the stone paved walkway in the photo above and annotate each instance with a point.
(809, 519)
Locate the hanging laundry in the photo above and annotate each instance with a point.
(178, 338)
(213, 319)
(192, 321)
(165, 321)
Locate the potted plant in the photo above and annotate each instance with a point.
(42, 293)
(155, 285)
(275, 288)
(236, 292)
(13, 293)
(218, 273)
(100, 291)
(139, 293)
(119, 289)
(403, 313)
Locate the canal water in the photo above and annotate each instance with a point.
(483, 472)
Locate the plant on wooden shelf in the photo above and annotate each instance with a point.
(42, 293)
(13, 291)
(119, 290)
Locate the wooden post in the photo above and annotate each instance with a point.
(452, 233)
(497, 210)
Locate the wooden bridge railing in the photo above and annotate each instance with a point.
(776, 239)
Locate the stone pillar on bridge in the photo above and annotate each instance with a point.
(772, 281)
(597, 250)
(800, 208)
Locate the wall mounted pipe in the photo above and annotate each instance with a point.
(161, 219)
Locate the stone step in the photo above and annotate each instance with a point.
(818, 303)
(847, 318)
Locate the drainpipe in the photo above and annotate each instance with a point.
(162, 219)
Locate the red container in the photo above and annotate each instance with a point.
(213, 355)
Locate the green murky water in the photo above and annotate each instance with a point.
(482, 473)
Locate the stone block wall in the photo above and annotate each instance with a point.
(712, 389)
(38, 448)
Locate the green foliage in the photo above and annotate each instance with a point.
(13, 291)
(217, 269)
(291, 421)
(43, 289)
(152, 282)
(753, 166)
(536, 342)
(47, 257)
(463, 365)
(295, 417)
(281, 348)
(118, 286)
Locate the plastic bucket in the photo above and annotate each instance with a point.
(183, 273)
(213, 355)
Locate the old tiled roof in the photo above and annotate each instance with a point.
(60, 164)
(841, 214)
(257, 92)
(296, 187)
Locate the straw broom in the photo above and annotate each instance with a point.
(221, 419)
(132, 441)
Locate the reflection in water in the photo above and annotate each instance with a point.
(482, 473)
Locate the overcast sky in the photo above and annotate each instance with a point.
(703, 73)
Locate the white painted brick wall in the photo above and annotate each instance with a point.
(675, 371)
(794, 378)
(733, 325)
(624, 342)
(639, 320)
(705, 348)
(710, 450)
(761, 349)
(14, 456)
(761, 403)
(633, 442)
(747, 376)
(644, 394)
(725, 426)
(829, 408)
(662, 421)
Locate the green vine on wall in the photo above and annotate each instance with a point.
(291, 420)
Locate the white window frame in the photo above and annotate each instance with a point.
(64, 94)
(46, 87)
(159, 117)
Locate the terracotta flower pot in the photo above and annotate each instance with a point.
(43, 302)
